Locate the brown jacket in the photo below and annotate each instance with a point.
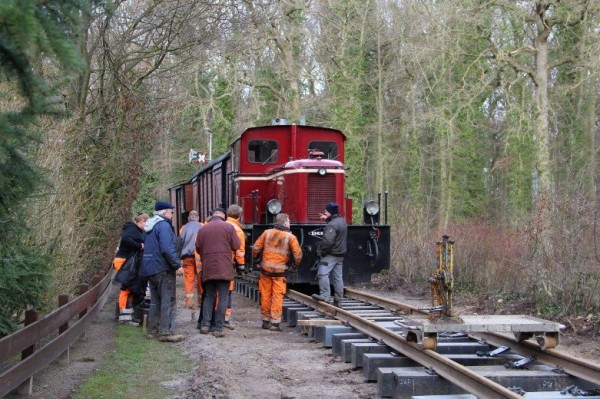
(215, 242)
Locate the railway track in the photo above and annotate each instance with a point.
(364, 330)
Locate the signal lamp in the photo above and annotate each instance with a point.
(322, 171)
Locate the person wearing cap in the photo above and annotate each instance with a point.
(187, 235)
(215, 243)
(332, 252)
(160, 265)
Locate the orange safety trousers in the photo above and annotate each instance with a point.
(272, 290)
(228, 310)
(124, 294)
(190, 277)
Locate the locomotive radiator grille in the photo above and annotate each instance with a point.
(321, 190)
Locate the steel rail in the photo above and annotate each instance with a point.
(571, 365)
(574, 366)
(450, 370)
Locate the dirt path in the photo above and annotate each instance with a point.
(248, 362)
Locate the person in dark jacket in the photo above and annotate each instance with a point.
(160, 264)
(215, 243)
(132, 241)
(332, 252)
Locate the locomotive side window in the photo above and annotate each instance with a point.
(328, 148)
(262, 151)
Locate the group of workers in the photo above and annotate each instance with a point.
(210, 255)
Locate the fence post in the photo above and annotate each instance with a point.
(64, 358)
(83, 288)
(26, 388)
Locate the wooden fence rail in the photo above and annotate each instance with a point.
(70, 320)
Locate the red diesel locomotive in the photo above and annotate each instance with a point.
(294, 169)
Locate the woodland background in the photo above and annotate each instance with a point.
(479, 118)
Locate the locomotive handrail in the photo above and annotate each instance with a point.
(86, 306)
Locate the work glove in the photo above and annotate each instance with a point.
(240, 269)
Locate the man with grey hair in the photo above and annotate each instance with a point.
(160, 264)
(189, 257)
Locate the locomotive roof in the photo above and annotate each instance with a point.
(301, 127)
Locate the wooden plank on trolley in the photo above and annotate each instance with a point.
(318, 322)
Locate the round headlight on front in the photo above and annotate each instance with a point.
(274, 207)
(372, 208)
(322, 171)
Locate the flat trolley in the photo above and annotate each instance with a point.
(424, 331)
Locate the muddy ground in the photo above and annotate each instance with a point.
(248, 362)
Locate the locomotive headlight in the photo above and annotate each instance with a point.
(322, 171)
(372, 208)
(274, 207)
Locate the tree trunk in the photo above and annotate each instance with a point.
(542, 139)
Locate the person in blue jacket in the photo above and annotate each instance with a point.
(160, 265)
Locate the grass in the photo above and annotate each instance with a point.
(136, 369)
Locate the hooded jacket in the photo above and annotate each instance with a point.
(159, 248)
(131, 241)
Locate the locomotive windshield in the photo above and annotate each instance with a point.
(262, 151)
(328, 148)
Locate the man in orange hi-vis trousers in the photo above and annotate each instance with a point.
(276, 245)
(234, 213)
(189, 257)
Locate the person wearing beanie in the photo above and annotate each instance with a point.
(160, 265)
(332, 252)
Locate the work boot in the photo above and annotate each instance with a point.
(152, 335)
(275, 327)
(125, 318)
(321, 298)
(218, 333)
(266, 324)
(337, 301)
(204, 329)
(171, 338)
(318, 297)
(229, 325)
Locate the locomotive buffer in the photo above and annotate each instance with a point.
(439, 318)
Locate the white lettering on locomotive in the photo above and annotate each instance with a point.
(316, 233)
